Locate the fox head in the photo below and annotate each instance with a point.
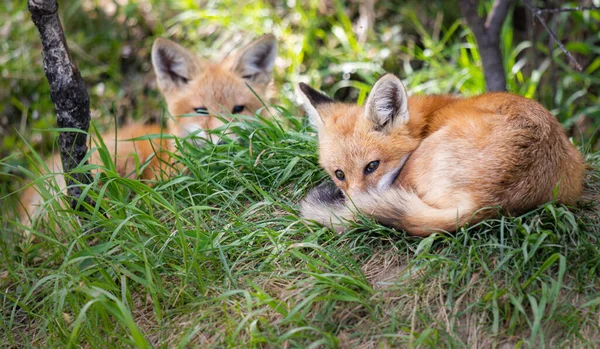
(362, 147)
(196, 90)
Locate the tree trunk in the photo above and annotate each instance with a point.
(493, 67)
(487, 34)
(67, 91)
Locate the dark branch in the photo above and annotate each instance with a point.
(537, 14)
(569, 9)
(487, 33)
(496, 17)
(67, 91)
(469, 11)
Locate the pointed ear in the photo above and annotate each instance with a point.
(173, 64)
(311, 99)
(387, 105)
(255, 62)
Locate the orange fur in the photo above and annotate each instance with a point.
(187, 82)
(465, 154)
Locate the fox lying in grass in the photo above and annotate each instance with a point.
(435, 163)
(190, 86)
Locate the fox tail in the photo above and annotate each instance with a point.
(395, 207)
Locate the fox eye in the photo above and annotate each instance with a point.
(339, 174)
(238, 109)
(201, 110)
(372, 166)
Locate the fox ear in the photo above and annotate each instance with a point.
(387, 105)
(311, 99)
(173, 64)
(255, 62)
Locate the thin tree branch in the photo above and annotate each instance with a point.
(366, 20)
(469, 11)
(67, 91)
(497, 15)
(569, 9)
(537, 14)
(487, 33)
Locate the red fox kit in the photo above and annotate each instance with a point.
(431, 163)
(190, 86)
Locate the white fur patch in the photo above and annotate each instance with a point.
(384, 101)
(388, 178)
(193, 129)
(388, 94)
(199, 135)
(383, 107)
(311, 111)
(403, 115)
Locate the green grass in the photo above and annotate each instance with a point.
(217, 256)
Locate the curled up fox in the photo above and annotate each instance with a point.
(195, 91)
(435, 163)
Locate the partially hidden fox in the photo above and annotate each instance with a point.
(195, 91)
(426, 164)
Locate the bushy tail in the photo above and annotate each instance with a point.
(325, 204)
(395, 207)
(31, 198)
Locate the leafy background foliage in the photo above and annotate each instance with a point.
(218, 256)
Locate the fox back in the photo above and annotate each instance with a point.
(430, 163)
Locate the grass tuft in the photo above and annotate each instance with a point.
(218, 256)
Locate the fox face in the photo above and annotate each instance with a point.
(196, 90)
(362, 148)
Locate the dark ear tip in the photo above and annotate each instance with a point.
(304, 87)
(307, 90)
(315, 97)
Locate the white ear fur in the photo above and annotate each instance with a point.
(173, 64)
(387, 105)
(313, 114)
(310, 99)
(255, 62)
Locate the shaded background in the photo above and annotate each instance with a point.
(339, 46)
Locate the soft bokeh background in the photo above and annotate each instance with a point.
(218, 256)
(322, 42)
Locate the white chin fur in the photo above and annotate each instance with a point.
(190, 129)
(388, 178)
(199, 135)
